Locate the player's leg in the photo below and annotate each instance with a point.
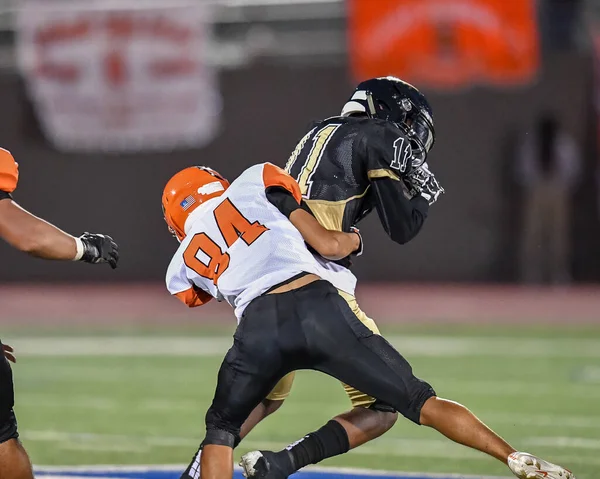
(250, 370)
(264, 409)
(363, 424)
(376, 368)
(344, 432)
(268, 405)
(368, 419)
(396, 385)
(14, 462)
(239, 390)
(456, 422)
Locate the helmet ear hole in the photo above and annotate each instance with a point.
(382, 106)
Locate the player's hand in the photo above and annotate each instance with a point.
(422, 181)
(8, 353)
(99, 248)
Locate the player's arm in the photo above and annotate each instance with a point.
(386, 156)
(330, 244)
(180, 286)
(283, 192)
(41, 239)
(33, 235)
(193, 297)
(402, 218)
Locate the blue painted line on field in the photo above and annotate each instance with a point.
(114, 473)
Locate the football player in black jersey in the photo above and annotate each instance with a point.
(373, 156)
(38, 238)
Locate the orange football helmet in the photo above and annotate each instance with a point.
(187, 190)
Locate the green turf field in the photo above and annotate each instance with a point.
(139, 397)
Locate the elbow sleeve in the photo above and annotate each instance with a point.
(282, 199)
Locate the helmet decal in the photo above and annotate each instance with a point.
(211, 188)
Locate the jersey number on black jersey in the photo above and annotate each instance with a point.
(402, 153)
(320, 140)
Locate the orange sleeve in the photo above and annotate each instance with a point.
(194, 297)
(275, 176)
(9, 171)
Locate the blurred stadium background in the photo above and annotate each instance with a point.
(496, 302)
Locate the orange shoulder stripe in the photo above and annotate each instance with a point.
(275, 176)
(9, 171)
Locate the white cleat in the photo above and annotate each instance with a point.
(526, 466)
(249, 462)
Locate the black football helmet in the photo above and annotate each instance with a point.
(392, 99)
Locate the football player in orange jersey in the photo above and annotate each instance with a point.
(39, 238)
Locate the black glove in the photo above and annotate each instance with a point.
(422, 181)
(99, 248)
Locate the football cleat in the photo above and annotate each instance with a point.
(526, 466)
(261, 465)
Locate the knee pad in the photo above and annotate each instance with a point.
(8, 427)
(420, 392)
(220, 431)
(219, 437)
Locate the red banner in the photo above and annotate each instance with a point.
(444, 43)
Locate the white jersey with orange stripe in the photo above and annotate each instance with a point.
(239, 245)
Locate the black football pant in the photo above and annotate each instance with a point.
(8, 422)
(308, 328)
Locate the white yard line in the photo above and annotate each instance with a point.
(113, 468)
(411, 346)
(396, 447)
(96, 403)
(54, 476)
(109, 439)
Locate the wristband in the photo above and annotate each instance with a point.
(80, 249)
(359, 251)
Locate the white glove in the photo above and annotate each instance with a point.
(422, 181)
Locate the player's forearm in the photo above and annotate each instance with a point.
(49, 242)
(401, 218)
(33, 235)
(330, 244)
(343, 245)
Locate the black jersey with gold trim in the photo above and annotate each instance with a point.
(347, 166)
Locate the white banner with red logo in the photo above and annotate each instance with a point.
(120, 75)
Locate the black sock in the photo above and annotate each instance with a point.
(329, 441)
